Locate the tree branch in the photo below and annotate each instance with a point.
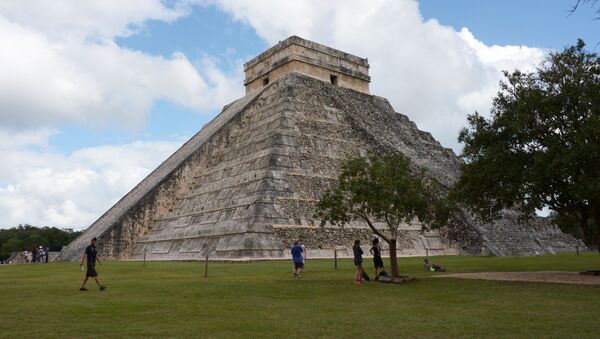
(372, 227)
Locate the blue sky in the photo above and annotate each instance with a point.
(546, 24)
(205, 31)
(211, 31)
(95, 95)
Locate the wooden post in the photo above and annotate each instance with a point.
(206, 267)
(144, 256)
(335, 258)
(577, 248)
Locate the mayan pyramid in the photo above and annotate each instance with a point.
(246, 184)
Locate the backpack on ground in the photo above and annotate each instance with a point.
(365, 276)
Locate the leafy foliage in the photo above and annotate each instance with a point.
(574, 225)
(25, 237)
(382, 188)
(541, 145)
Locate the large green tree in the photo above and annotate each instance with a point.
(24, 237)
(541, 145)
(382, 189)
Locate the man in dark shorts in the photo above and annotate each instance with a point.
(298, 259)
(91, 254)
(377, 261)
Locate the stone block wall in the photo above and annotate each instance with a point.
(246, 185)
(311, 59)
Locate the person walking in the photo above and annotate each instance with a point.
(91, 254)
(298, 259)
(47, 252)
(301, 243)
(358, 252)
(377, 261)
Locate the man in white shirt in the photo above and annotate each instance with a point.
(301, 243)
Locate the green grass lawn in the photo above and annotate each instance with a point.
(172, 299)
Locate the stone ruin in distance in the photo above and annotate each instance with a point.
(245, 186)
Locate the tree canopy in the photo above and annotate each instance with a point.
(541, 145)
(382, 188)
(25, 237)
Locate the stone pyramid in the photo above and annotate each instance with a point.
(245, 186)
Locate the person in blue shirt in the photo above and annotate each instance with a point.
(298, 259)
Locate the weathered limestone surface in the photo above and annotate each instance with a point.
(151, 196)
(298, 55)
(255, 171)
(511, 236)
(246, 185)
(258, 178)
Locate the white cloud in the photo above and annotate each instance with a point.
(90, 19)
(430, 72)
(59, 64)
(49, 188)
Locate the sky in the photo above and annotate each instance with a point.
(96, 94)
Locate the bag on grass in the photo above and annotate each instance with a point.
(365, 276)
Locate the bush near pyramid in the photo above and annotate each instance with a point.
(246, 185)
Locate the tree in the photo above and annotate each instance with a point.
(572, 224)
(11, 245)
(33, 240)
(382, 189)
(541, 145)
(24, 237)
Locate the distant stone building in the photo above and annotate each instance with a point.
(245, 186)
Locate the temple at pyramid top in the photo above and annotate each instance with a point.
(297, 55)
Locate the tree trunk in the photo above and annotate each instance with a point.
(588, 233)
(393, 258)
(597, 220)
(596, 216)
(588, 236)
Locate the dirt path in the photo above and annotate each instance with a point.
(548, 277)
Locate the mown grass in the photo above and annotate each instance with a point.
(250, 300)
